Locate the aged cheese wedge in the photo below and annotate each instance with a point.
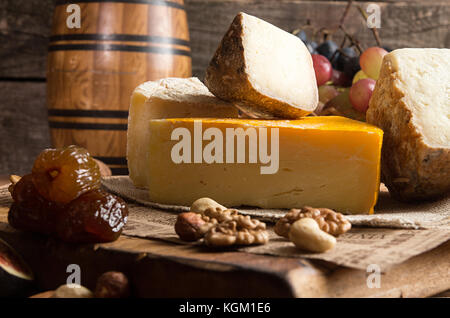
(170, 97)
(264, 70)
(411, 103)
(328, 162)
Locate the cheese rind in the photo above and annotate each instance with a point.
(263, 70)
(411, 104)
(328, 162)
(166, 98)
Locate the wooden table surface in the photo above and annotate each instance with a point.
(161, 269)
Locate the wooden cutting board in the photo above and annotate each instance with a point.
(161, 269)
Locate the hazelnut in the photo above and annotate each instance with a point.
(112, 285)
(189, 226)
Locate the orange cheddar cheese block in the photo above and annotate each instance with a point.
(331, 162)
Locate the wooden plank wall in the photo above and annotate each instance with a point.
(403, 23)
(25, 25)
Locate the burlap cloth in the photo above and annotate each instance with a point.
(394, 234)
(386, 239)
(388, 212)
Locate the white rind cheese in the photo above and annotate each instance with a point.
(263, 70)
(411, 103)
(166, 98)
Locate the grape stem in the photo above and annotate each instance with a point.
(354, 41)
(374, 30)
(327, 32)
(344, 15)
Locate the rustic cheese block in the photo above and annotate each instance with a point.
(170, 97)
(411, 103)
(328, 162)
(263, 70)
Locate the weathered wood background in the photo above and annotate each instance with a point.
(25, 26)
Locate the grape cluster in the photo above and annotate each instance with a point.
(62, 197)
(343, 72)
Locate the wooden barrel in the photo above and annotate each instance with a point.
(92, 70)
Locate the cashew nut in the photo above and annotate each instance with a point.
(307, 235)
(200, 205)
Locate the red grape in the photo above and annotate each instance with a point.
(370, 61)
(322, 68)
(360, 94)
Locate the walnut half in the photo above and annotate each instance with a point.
(239, 230)
(220, 215)
(219, 226)
(329, 221)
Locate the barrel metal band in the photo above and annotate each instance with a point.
(152, 2)
(118, 47)
(118, 165)
(120, 161)
(86, 126)
(119, 171)
(88, 113)
(118, 37)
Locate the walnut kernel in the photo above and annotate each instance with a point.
(239, 230)
(332, 222)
